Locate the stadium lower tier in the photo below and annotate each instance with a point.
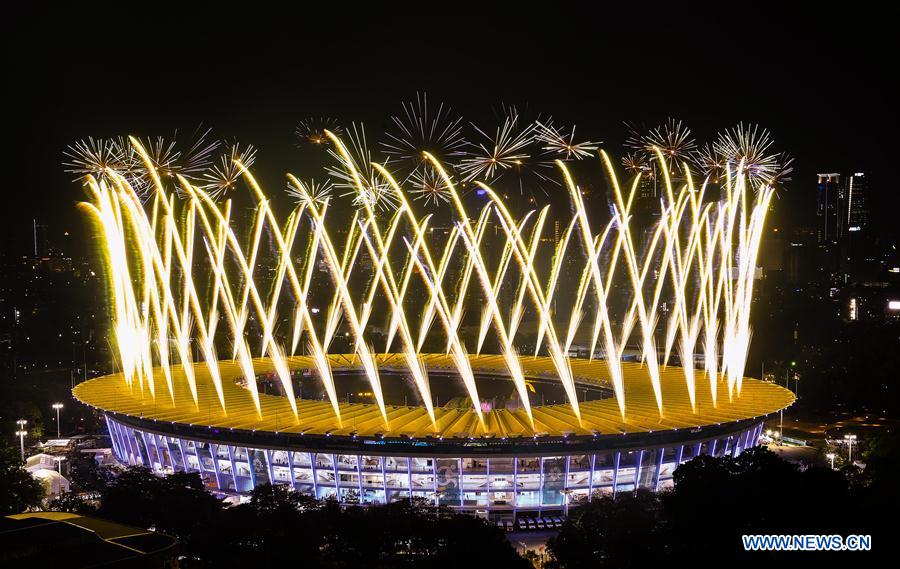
(511, 478)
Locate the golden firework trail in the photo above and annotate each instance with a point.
(184, 285)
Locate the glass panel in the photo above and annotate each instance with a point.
(501, 465)
(474, 465)
(346, 461)
(423, 482)
(371, 463)
(554, 481)
(579, 462)
(448, 481)
(529, 464)
(397, 480)
(395, 463)
(422, 465)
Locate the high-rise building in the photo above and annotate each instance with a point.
(829, 195)
(856, 213)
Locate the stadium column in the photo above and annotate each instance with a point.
(616, 473)
(184, 463)
(487, 467)
(591, 480)
(115, 444)
(233, 466)
(409, 460)
(515, 486)
(637, 469)
(359, 477)
(434, 479)
(541, 482)
(315, 474)
(460, 481)
(290, 455)
(337, 484)
(214, 454)
(659, 461)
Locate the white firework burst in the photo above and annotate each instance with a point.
(223, 176)
(419, 129)
(375, 190)
(91, 157)
(318, 192)
(427, 185)
(509, 148)
(311, 130)
(749, 147)
(561, 142)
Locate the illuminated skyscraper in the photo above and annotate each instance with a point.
(856, 213)
(829, 195)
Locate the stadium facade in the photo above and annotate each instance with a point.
(506, 466)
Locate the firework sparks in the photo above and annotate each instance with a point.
(169, 160)
(419, 129)
(223, 176)
(709, 163)
(429, 186)
(312, 130)
(636, 163)
(562, 142)
(749, 146)
(370, 187)
(318, 192)
(672, 138)
(91, 157)
(686, 241)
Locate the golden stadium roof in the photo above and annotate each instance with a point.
(599, 417)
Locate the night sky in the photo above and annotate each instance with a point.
(822, 84)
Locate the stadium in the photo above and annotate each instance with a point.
(492, 365)
(503, 467)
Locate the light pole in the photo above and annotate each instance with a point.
(831, 456)
(57, 406)
(850, 440)
(21, 434)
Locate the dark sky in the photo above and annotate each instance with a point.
(822, 84)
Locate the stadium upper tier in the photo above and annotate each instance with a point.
(599, 417)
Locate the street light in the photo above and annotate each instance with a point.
(57, 406)
(21, 434)
(850, 440)
(831, 456)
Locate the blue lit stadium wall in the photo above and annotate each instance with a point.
(505, 477)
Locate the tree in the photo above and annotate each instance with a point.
(176, 504)
(622, 531)
(19, 491)
(71, 502)
(85, 474)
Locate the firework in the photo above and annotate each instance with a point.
(91, 157)
(318, 192)
(710, 321)
(709, 163)
(562, 142)
(429, 186)
(370, 186)
(636, 163)
(222, 177)
(512, 152)
(419, 129)
(312, 130)
(168, 159)
(673, 140)
(749, 146)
